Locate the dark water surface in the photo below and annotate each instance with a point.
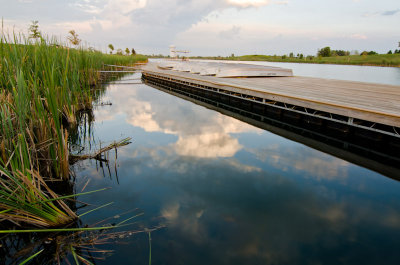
(231, 193)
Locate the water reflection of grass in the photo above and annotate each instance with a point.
(85, 245)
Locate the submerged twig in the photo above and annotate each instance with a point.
(97, 155)
(104, 104)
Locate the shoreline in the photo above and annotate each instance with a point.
(395, 62)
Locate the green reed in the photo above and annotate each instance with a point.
(43, 85)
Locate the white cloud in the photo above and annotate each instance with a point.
(115, 6)
(78, 26)
(373, 14)
(281, 2)
(88, 7)
(222, 34)
(110, 14)
(358, 36)
(230, 33)
(124, 6)
(151, 26)
(249, 3)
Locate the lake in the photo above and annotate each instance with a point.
(369, 74)
(222, 191)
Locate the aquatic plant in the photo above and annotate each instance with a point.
(44, 85)
(83, 244)
(26, 198)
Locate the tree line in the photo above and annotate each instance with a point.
(120, 52)
(395, 52)
(327, 52)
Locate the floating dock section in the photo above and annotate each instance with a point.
(356, 109)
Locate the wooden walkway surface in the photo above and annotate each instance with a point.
(371, 102)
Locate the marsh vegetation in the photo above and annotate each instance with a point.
(44, 86)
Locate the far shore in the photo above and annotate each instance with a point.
(384, 60)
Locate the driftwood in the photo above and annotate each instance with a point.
(98, 154)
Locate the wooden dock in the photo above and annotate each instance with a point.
(373, 107)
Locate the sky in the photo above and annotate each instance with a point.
(215, 27)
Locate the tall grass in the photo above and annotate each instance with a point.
(43, 85)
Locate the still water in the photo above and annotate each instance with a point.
(370, 74)
(231, 193)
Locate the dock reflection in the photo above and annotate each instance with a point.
(366, 153)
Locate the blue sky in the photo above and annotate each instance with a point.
(215, 27)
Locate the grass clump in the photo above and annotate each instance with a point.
(43, 85)
(25, 198)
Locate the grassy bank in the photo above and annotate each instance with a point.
(392, 60)
(43, 85)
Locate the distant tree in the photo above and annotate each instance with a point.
(127, 51)
(119, 51)
(396, 51)
(232, 55)
(34, 32)
(284, 57)
(111, 47)
(325, 52)
(301, 56)
(339, 53)
(73, 38)
(133, 52)
(369, 53)
(92, 49)
(390, 52)
(291, 55)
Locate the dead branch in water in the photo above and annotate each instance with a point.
(97, 155)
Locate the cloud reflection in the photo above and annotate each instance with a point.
(207, 145)
(210, 136)
(303, 159)
(205, 134)
(265, 200)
